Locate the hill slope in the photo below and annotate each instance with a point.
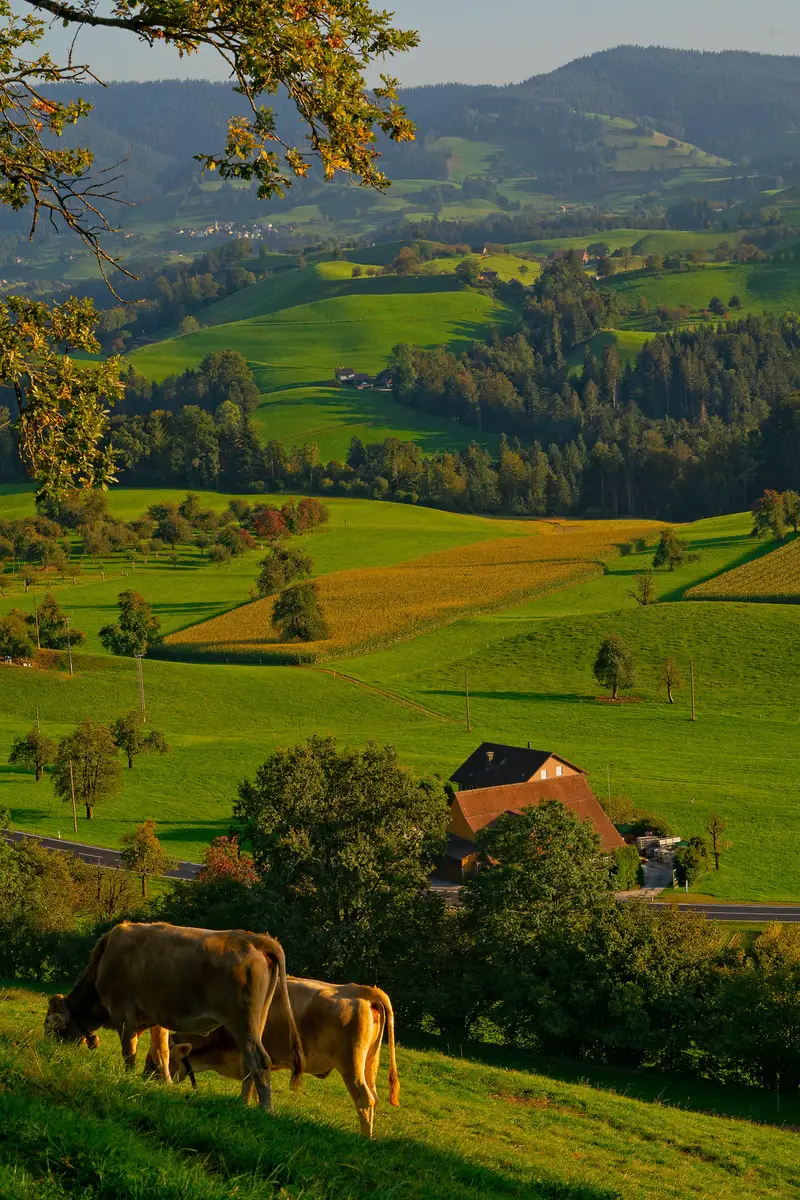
(72, 1125)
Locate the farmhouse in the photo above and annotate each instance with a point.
(581, 256)
(348, 377)
(498, 779)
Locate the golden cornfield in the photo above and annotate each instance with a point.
(773, 579)
(367, 608)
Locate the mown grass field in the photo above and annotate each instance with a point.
(366, 609)
(71, 1124)
(530, 676)
(772, 579)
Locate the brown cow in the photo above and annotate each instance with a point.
(341, 1026)
(140, 976)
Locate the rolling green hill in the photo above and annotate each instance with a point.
(295, 329)
(493, 1126)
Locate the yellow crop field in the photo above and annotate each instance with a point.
(773, 579)
(368, 608)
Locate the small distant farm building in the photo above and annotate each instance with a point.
(498, 779)
(345, 374)
(489, 276)
(581, 256)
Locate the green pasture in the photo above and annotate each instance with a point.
(331, 416)
(530, 675)
(485, 1125)
(627, 342)
(676, 241)
(304, 344)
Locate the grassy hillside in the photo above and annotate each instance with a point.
(770, 287)
(71, 1124)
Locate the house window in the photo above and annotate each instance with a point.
(558, 770)
(544, 774)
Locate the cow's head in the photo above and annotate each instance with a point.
(60, 1022)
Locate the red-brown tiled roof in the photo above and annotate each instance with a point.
(481, 806)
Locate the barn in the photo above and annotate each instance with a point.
(498, 779)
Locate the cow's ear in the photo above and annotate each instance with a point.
(55, 1003)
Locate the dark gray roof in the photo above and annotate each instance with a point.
(508, 764)
(458, 847)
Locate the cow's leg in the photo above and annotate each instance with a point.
(248, 1090)
(129, 1040)
(159, 1051)
(362, 1098)
(255, 1061)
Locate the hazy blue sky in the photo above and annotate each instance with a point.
(508, 40)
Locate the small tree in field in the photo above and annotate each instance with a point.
(281, 566)
(715, 828)
(136, 629)
(143, 855)
(769, 515)
(644, 590)
(5, 817)
(791, 508)
(34, 751)
(297, 616)
(614, 667)
(95, 767)
(132, 738)
(672, 677)
(670, 551)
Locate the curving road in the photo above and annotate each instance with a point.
(96, 855)
(741, 912)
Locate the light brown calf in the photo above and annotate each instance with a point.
(341, 1027)
(141, 975)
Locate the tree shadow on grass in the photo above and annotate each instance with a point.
(678, 1091)
(193, 831)
(553, 697)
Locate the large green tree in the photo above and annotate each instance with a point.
(132, 738)
(614, 667)
(33, 750)
(345, 840)
(135, 630)
(316, 52)
(297, 616)
(91, 751)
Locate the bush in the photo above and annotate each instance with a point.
(625, 868)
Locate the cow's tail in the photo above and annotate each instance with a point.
(294, 1035)
(394, 1078)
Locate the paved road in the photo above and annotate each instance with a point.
(96, 854)
(743, 912)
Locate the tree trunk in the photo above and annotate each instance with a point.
(38, 772)
(89, 811)
(669, 693)
(130, 761)
(144, 887)
(614, 691)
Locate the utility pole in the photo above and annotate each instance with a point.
(466, 693)
(691, 669)
(141, 687)
(36, 619)
(38, 726)
(69, 646)
(72, 791)
(608, 777)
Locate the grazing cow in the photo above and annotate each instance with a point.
(142, 976)
(341, 1027)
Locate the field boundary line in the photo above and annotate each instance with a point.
(394, 697)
